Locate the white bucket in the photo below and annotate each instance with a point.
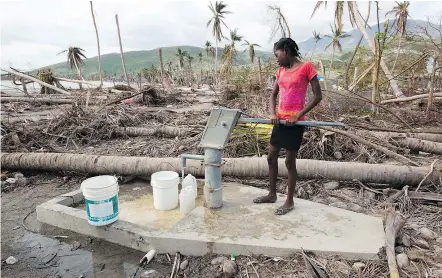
(165, 190)
(187, 200)
(101, 199)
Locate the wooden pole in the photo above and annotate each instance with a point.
(98, 46)
(121, 51)
(22, 75)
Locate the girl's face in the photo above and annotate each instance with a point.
(282, 58)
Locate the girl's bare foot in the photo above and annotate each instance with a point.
(266, 199)
(284, 209)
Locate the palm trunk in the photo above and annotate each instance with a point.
(121, 50)
(374, 90)
(236, 167)
(80, 85)
(331, 62)
(98, 46)
(23, 83)
(351, 61)
(433, 79)
(397, 54)
(168, 131)
(323, 73)
(160, 55)
(38, 100)
(375, 76)
(393, 83)
(216, 56)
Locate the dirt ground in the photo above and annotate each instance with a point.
(46, 251)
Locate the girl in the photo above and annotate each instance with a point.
(292, 79)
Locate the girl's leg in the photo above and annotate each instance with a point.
(290, 162)
(272, 160)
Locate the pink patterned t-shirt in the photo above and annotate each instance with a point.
(293, 89)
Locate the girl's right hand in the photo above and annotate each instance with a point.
(274, 119)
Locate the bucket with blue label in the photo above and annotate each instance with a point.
(101, 199)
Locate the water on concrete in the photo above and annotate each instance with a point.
(243, 227)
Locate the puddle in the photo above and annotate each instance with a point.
(51, 258)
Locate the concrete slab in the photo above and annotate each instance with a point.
(239, 227)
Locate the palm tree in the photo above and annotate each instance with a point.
(251, 49)
(280, 25)
(208, 46)
(75, 58)
(356, 19)
(200, 57)
(181, 55)
(169, 66)
(229, 51)
(401, 16)
(98, 45)
(317, 38)
(339, 11)
(189, 60)
(337, 34)
(217, 20)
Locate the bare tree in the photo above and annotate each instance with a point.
(98, 45)
(121, 51)
(281, 25)
(435, 48)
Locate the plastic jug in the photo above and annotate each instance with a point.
(190, 181)
(187, 200)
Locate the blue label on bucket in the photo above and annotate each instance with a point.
(103, 210)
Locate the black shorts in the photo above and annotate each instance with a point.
(287, 137)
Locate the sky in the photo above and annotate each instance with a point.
(33, 32)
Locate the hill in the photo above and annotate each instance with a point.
(349, 43)
(137, 60)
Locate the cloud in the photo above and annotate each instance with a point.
(33, 32)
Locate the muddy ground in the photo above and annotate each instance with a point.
(46, 251)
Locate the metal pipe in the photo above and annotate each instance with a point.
(186, 156)
(213, 194)
(304, 123)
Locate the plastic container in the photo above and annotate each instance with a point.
(101, 199)
(187, 200)
(165, 190)
(190, 181)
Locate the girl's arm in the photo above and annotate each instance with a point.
(273, 96)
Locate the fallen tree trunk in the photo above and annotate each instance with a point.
(237, 167)
(19, 74)
(386, 151)
(422, 136)
(163, 130)
(76, 81)
(38, 99)
(410, 98)
(418, 145)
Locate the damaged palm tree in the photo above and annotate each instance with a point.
(229, 53)
(75, 59)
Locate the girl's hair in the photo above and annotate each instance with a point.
(287, 45)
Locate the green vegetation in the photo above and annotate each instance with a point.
(137, 60)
